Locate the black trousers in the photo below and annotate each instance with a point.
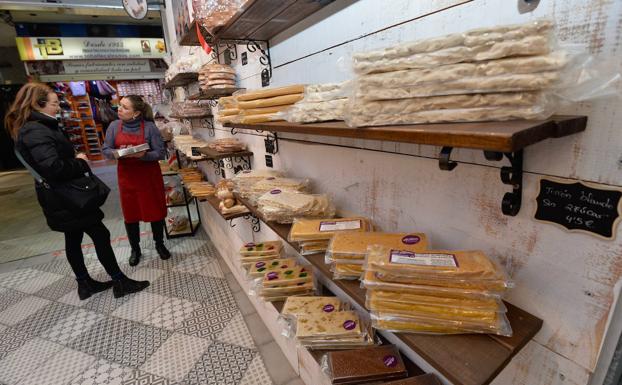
(133, 233)
(101, 239)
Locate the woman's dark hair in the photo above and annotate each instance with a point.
(28, 98)
(138, 104)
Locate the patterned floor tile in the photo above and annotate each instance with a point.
(45, 318)
(22, 310)
(208, 321)
(40, 281)
(10, 297)
(146, 274)
(212, 269)
(140, 306)
(257, 374)
(176, 357)
(137, 345)
(23, 361)
(152, 261)
(222, 364)
(189, 286)
(68, 329)
(58, 266)
(172, 313)
(236, 333)
(72, 298)
(60, 369)
(103, 372)
(193, 263)
(143, 378)
(12, 339)
(18, 277)
(103, 336)
(105, 302)
(59, 288)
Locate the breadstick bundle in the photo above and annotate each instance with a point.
(259, 106)
(499, 73)
(216, 76)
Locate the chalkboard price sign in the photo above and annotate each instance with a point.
(577, 206)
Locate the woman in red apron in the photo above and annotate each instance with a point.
(140, 180)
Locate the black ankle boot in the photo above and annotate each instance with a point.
(135, 257)
(125, 285)
(163, 251)
(88, 286)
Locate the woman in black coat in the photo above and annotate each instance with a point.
(43, 146)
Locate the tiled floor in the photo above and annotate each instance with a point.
(193, 325)
(186, 328)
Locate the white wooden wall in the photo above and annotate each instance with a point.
(568, 280)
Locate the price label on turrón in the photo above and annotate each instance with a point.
(577, 206)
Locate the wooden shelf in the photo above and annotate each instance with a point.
(182, 79)
(468, 359)
(214, 93)
(258, 20)
(214, 202)
(210, 154)
(508, 136)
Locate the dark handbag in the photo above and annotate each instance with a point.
(84, 193)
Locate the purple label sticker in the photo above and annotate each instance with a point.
(260, 264)
(250, 244)
(349, 325)
(276, 191)
(328, 308)
(390, 361)
(411, 239)
(272, 276)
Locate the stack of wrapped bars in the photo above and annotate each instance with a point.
(216, 76)
(244, 180)
(440, 292)
(281, 283)
(499, 73)
(346, 251)
(283, 206)
(251, 253)
(314, 235)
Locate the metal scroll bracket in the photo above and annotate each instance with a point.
(207, 123)
(264, 59)
(272, 143)
(511, 175)
(443, 160)
(255, 222)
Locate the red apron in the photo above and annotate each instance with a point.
(141, 185)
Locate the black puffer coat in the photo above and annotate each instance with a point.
(44, 146)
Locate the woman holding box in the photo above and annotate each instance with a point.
(140, 180)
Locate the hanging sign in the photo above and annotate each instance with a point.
(77, 48)
(579, 207)
(137, 9)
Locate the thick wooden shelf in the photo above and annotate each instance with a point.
(214, 202)
(182, 79)
(469, 359)
(214, 93)
(490, 136)
(211, 154)
(258, 20)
